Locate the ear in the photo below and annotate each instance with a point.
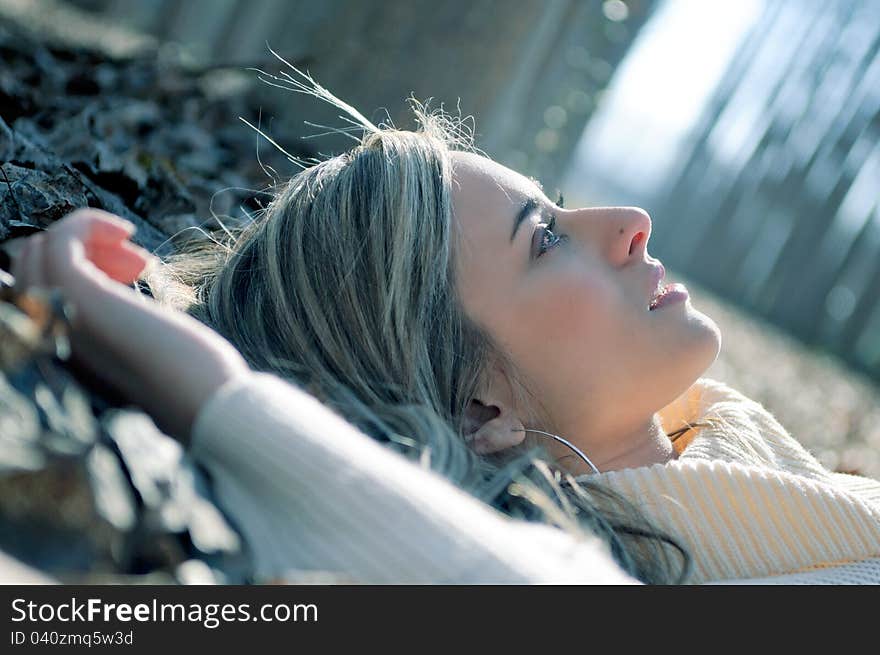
(491, 427)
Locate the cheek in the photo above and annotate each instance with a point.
(567, 318)
(576, 303)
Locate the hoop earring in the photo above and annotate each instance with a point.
(566, 443)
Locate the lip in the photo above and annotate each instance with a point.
(658, 273)
(677, 292)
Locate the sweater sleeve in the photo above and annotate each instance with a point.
(311, 492)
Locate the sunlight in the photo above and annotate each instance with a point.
(658, 93)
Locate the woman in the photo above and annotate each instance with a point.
(444, 306)
(308, 489)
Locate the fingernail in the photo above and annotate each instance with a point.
(124, 222)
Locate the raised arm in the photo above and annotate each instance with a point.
(310, 491)
(306, 488)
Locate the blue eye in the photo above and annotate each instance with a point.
(549, 239)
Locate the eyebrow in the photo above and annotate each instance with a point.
(528, 207)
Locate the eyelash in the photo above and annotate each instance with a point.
(548, 229)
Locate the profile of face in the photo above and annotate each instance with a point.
(566, 293)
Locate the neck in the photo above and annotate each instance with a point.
(645, 445)
(649, 445)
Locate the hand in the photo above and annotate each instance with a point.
(88, 243)
(163, 360)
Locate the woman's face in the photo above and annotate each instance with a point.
(571, 307)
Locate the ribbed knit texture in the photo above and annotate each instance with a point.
(749, 501)
(311, 492)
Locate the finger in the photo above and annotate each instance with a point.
(97, 249)
(124, 265)
(109, 229)
(126, 248)
(66, 262)
(95, 226)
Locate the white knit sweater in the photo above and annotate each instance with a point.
(310, 492)
(749, 501)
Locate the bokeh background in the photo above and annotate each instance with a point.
(749, 130)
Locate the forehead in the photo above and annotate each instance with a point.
(486, 196)
(474, 174)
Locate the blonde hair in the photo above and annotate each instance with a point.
(346, 286)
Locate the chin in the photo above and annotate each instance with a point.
(706, 342)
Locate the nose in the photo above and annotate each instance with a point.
(621, 232)
(636, 231)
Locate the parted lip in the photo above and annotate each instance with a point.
(658, 273)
